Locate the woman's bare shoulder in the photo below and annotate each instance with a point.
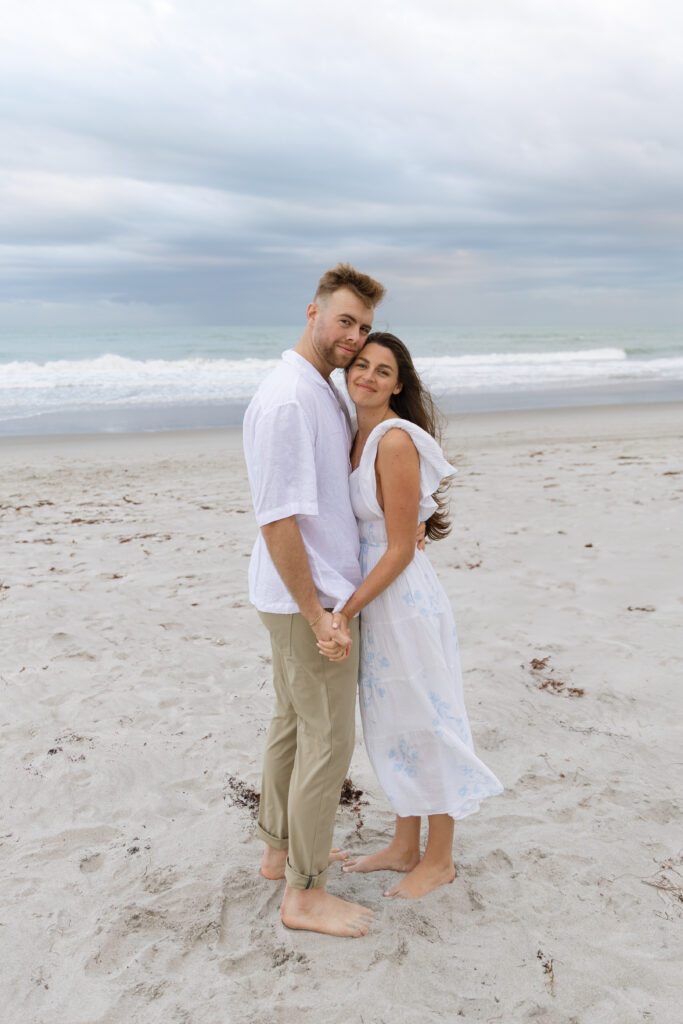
(396, 442)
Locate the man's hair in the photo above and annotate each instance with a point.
(369, 291)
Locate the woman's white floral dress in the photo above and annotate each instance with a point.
(414, 720)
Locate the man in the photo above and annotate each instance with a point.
(304, 566)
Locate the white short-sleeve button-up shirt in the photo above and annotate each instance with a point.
(296, 444)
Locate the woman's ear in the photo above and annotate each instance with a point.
(397, 390)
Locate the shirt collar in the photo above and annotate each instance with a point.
(309, 371)
(305, 368)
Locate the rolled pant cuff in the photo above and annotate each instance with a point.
(277, 844)
(298, 881)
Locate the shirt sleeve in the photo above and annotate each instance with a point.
(282, 474)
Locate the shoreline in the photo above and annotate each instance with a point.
(493, 427)
(106, 420)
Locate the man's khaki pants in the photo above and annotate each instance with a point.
(309, 747)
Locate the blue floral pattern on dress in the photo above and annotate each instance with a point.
(442, 715)
(441, 709)
(427, 599)
(477, 784)
(427, 605)
(405, 758)
(363, 557)
(372, 664)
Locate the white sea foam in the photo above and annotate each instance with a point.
(27, 388)
(116, 380)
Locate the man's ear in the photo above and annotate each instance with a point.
(312, 311)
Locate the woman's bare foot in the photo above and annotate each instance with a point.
(391, 858)
(316, 910)
(273, 861)
(337, 854)
(423, 879)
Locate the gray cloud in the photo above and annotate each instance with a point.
(520, 159)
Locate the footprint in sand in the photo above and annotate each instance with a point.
(136, 932)
(93, 862)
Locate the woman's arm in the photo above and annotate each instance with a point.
(398, 473)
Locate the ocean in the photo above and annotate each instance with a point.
(99, 380)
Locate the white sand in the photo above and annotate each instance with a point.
(135, 680)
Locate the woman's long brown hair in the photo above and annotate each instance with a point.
(414, 403)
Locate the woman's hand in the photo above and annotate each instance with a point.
(338, 647)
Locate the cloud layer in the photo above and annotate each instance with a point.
(519, 162)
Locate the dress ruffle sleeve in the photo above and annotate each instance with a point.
(433, 466)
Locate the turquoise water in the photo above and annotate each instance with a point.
(42, 345)
(63, 379)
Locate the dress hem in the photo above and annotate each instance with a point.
(457, 815)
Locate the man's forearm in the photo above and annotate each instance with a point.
(286, 548)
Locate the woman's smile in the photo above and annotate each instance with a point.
(374, 371)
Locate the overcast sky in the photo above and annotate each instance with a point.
(203, 161)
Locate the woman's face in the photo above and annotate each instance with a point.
(372, 378)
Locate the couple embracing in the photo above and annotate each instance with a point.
(338, 517)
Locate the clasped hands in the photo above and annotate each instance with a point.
(335, 641)
(333, 636)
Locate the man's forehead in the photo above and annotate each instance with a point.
(345, 301)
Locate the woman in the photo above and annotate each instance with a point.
(414, 719)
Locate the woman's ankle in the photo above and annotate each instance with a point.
(404, 850)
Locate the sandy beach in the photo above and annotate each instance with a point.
(135, 681)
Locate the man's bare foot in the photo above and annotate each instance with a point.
(316, 910)
(423, 879)
(273, 861)
(391, 858)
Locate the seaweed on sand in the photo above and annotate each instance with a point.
(241, 794)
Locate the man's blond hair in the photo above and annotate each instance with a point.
(369, 291)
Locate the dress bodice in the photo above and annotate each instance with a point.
(363, 483)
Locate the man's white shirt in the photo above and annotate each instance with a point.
(297, 440)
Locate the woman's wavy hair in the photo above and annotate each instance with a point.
(414, 403)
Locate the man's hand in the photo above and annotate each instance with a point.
(421, 534)
(337, 644)
(333, 629)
